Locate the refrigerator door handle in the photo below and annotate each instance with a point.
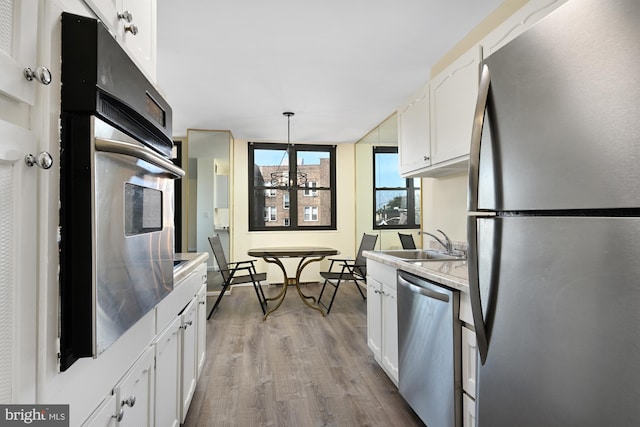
(476, 138)
(474, 288)
(472, 219)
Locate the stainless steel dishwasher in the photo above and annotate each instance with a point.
(429, 350)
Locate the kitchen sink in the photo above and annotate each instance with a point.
(422, 255)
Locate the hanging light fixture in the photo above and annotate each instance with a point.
(278, 177)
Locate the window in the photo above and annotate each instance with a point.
(270, 213)
(310, 190)
(300, 193)
(310, 213)
(270, 192)
(396, 199)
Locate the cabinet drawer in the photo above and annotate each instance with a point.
(383, 273)
(465, 309)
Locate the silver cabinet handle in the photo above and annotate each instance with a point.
(119, 416)
(187, 324)
(126, 16)
(131, 29)
(43, 160)
(42, 74)
(129, 401)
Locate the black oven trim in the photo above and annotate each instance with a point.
(93, 64)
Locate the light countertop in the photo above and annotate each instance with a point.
(453, 274)
(191, 261)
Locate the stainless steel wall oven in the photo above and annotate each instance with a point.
(116, 192)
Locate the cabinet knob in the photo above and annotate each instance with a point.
(119, 416)
(126, 16)
(131, 29)
(42, 74)
(43, 160)
(129, 401)
(187, 324)
(426, 158)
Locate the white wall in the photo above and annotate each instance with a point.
(444, 206)
(343, 239)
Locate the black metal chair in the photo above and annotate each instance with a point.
(234, 273)
(349, 270)
(407, 241)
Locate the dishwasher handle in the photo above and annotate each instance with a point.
(423, 291)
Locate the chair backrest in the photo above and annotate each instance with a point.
(368, 243)
(407, 241)
(218, 253)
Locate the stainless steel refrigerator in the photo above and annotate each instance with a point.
(554, 222)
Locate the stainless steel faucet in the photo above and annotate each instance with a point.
(447, 242)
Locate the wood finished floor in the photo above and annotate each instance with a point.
(296, 369)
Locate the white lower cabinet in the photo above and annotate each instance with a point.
(374, 311)
(469, 360)
(158, 388)
(104, 415)
(389, 353)
(135, 393)
(469, 363)
(468, 411)
(188, 329)
(168, 369)
(201, 333)
(382, 317)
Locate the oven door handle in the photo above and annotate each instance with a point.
(139, 152)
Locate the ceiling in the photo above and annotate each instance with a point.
(342, 66)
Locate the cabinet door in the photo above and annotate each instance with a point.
(468, 411)
(390, 332)
(135, 392)
(201, 328)
(142, 46)
(105, 415)
(374, 317)
(517, 24)
(453, 101)
(18, 202)
(414, 150)
(18, 38)
(469, 361)
(142, 14)
(188, 344)
(167, 383)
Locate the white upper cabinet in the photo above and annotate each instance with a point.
(18, 38)
(414, 151)
(453, 100)
(133, 24)
(517, 24)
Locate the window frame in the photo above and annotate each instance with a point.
(295, 209)
(409, 191)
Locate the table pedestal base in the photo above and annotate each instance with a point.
(304, 261)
